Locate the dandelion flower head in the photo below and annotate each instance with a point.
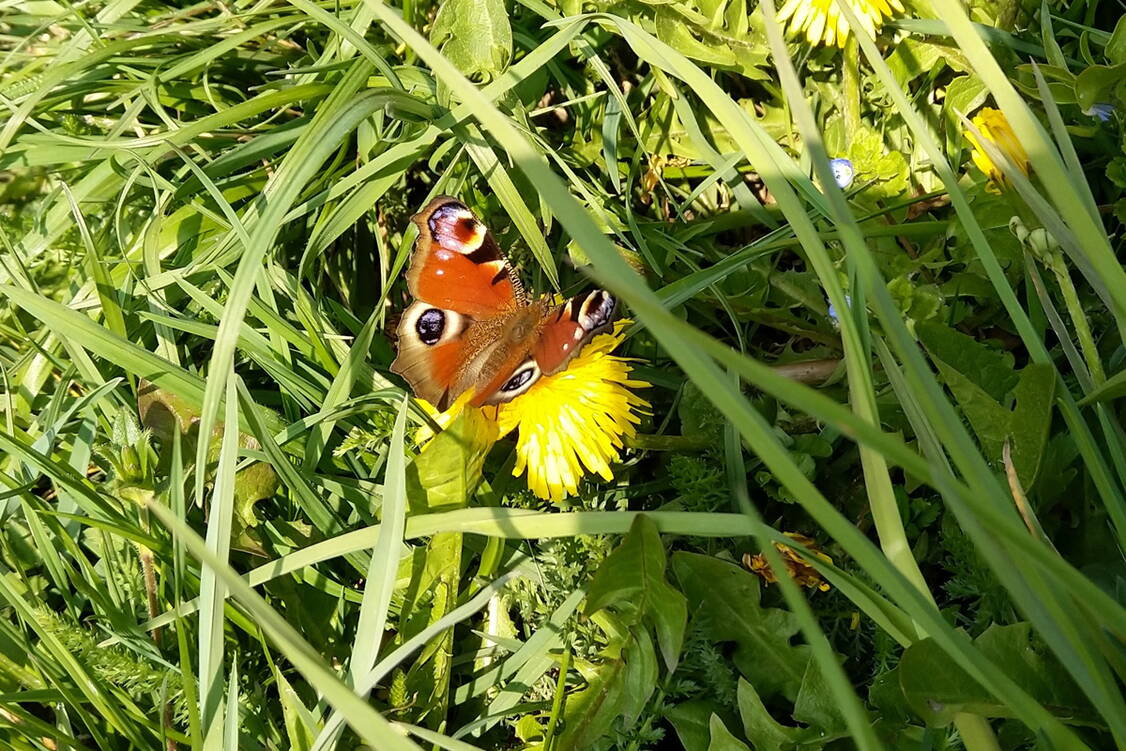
(993, 126)
(822, 23)
(575, 421)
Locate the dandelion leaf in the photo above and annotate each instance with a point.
(475, 35)
(632, 581)
(936, 689)
(692, 722)
(982, 381)
(729, 596)
(763, 731)
(618, 687)
(721, 737)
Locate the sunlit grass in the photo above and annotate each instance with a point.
(212, 480)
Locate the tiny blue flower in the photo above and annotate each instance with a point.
(843, 172)
(1101, 111)
(833, 311)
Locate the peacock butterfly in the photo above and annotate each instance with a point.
(472, 326)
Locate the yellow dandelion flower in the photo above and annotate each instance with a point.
(800, 571)
(822, 22)
(575, 421)
(995, 128)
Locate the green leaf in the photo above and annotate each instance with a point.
(632, 581)
(1017, 651)
(722, 739)
(763, 731)
(1115, 49)
(873, 161)
(475, 35)
(449, 467)
(1096, 84)
(936, 689)
(817, 707)
(691, 720)
(981, 381)
(990, 369)
(727, 597)
(617, 688)
(673, 31)
(1031, 418)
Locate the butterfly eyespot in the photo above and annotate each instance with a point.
(430, 326)
(518, 380)
(597, 310)
(521, 380)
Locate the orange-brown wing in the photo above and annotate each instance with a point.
(432, 349)
(570, 326)
(457, 264)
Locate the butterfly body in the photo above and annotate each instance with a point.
(472, 325)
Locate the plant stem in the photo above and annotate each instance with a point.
(976, 733)
(1078, 317)
(851, 85)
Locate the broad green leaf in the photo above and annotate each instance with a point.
(721, 737)
(475, 35)
(617, 688)
(816, 706)
(1115, 49)
(691, 720)
(763, 731)
(981, 382)
(632, 582)
(726, 599)
(1096, 84)
(1031, 418)
(449, 467)
(937, 690)
(989, 369)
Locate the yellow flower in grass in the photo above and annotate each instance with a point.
(575, 421)
(995, 128)
(800, 571)
(822, 23)
(570, 423)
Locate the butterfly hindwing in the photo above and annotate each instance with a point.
(432, 348)
(570, 326)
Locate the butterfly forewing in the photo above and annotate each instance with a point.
(457, 264)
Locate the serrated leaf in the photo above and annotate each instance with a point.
(632, 578)
(729, 596)
(475, 35)
(763, 731)
(721, 737)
